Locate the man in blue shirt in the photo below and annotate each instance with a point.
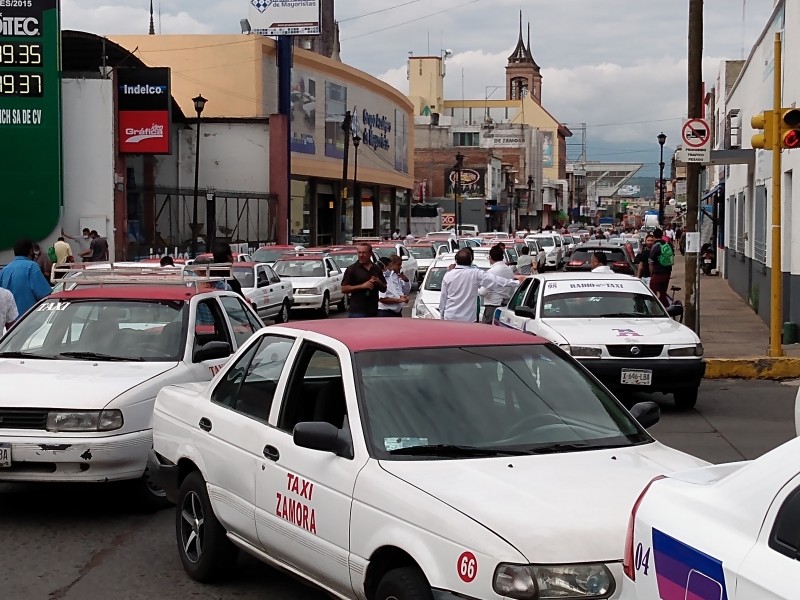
(23, 277)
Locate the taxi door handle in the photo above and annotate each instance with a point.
(205, 424)
(271, 452)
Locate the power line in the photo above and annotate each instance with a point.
(374, 31)
(376, 12)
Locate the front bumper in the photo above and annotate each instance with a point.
(77, 459)
(551, 260)
(669, 375)
(307, 301)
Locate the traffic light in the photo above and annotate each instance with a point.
(790, 128)
(765, 139)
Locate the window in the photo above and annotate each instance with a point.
(209, 324)
(731, 222)
(262, 278)
(534, 294)
(249, 386)
(740, 245)
(466, 138)
(244, 325)
(785, 536)
(315, 391)
(272, 275)
(760, 226)
(516, 299)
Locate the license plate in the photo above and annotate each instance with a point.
(637, 377)
(5, 455)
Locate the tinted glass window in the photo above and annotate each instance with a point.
(269, 256)
(344, 260)
(785, 535)
(209, 325)
(516, 299)
(594, 305)
(300, 268)
(423, 252)
(612, 254)
(315, 391)
(244, 325)
(244, 276)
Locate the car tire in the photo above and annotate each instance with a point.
(324, 311)
(283, 313)
(342, 304)
(145, 495)
(685, 399)
(406, 583)
(203, 545)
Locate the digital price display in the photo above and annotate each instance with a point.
(30, 119)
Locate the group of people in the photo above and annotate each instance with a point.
(22, 283)
(654, 264)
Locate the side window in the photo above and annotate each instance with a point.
(272, 275)
(332, 268)
(249, 386)
(533, 294)
(241, 321)
(785, 536)
(262, 279)
(315, 391)
(516, 299)
(209, 323)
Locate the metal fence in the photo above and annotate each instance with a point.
(160, 220)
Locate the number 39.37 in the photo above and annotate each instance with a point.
(641, 559)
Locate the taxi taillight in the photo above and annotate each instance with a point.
(620, 264)
(627, 560)
(575, 263)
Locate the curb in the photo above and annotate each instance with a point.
(753, 368)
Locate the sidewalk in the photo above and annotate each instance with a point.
(735, 339)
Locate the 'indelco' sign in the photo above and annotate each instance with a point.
(143, 89)
(144, 119)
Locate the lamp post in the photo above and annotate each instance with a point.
(530, 199)
(459, 164)
(199, 105)
(661, 141)
(356, 193)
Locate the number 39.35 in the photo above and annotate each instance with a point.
(641, 559)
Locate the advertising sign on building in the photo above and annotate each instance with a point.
(30, 119)
(547, 149)
(144, 115)
(284, 17)
(503, 140)
(473, 182)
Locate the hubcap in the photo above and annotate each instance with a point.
(192, 527)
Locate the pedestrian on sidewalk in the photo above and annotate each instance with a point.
(391, 302)
(494, 299)
(363, 280)
(23, 277)
(643, 260)
(661, 260)
(460, 285)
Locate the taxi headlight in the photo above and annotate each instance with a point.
(310, 291)
(696, 350)
(90, 420)
(423, 312)
(550, 582)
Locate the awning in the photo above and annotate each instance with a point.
(713, 191)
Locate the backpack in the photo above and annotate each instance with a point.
(51, 254)
(666, 255)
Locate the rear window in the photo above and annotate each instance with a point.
(546, 242)
(612, 254)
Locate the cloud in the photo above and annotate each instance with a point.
(109, 19)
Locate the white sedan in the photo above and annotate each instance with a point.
(727, 532)
(316, 282)
(615, 326)
(269, 295)
(426, 305)
(417, 459)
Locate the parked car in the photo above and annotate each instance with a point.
(426, 305)
(316, 282)
(344, 256)
(269, 296)
(727, 532)
(619, 256)
(615, 326)
(425, 253)
(553, 246)
(82, 368)
(407, 452)
(537, 253)
(409, 262)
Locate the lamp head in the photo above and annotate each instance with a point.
(356, 140)
(199, 103)
(662, 139)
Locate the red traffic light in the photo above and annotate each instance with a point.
(792, 139)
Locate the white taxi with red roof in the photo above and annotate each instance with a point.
(316, 281)
(80, 373)
(414, 459)
(269, 295)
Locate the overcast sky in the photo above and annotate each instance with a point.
(617, 65)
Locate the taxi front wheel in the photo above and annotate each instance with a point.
(406, 583)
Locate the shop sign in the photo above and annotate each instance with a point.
(144, 110)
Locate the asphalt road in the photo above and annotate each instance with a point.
(86, 542)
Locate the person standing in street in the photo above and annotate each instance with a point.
(460, 286)
(599, 263)
(643, 260)
(63, 251)
(23, 277)
(494, 299)
(44, 262)
(661, 259)
(390, 302)
(83, 243)
(363, 280)
(524, 261)
(223, 254)
(8, 309)
(98, 248)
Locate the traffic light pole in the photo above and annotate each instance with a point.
(776, 282)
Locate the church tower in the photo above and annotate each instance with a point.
(522, 73)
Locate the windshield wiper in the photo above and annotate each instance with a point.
(627, 315)
(17, 354)
(99, 356)
(558, 447)
(455, 450)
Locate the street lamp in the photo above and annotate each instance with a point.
(459, 164)
(661, 141)
(356, 193)
(199, 105)
(530, 199)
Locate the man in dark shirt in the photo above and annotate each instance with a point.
(98, 247)
(643, 260)
(363, 280)
(223, 254)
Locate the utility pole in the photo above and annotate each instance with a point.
(695, 109)
(341, 205)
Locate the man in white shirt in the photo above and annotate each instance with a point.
(460, 285)
(599, 263)
(391, 302)
(8, 309)
(525, 261)
(494, 299)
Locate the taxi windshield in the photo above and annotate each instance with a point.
(300, 268)
(546, 242)
(264, 255)
(384, 251)
(433, 281)
(123, 330)
(423, 251)
(587, 305)
(344, 260)
(475, 401)
(245, 276)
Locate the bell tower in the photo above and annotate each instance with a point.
(523, 75)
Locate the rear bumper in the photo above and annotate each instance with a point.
(164, 475)
(669, 375)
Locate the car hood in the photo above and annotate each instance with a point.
(622, 331)
(301, 283)
(559, 508)
(71, 384)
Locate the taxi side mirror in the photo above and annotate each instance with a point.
(525, 311)
(322, 436)
(646, 413)
(212, 351)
